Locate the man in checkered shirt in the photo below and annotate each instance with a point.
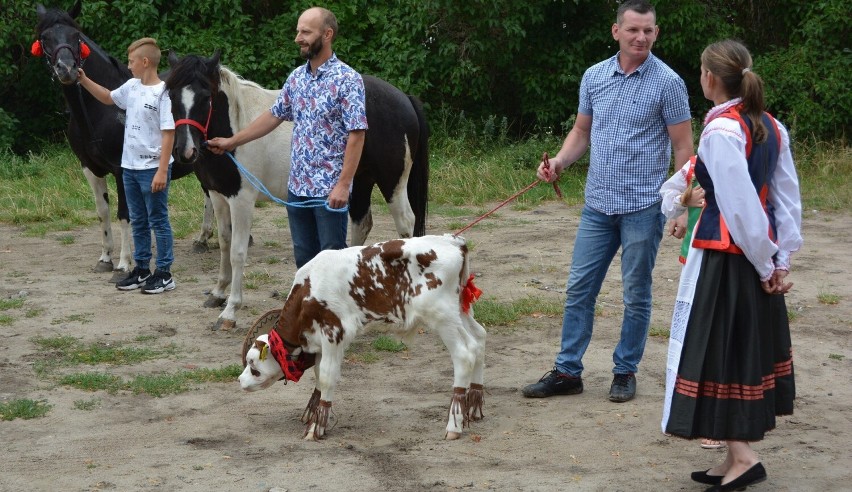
(633, 110)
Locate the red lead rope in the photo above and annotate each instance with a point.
(516, 195)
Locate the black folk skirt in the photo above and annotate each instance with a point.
(736, 367)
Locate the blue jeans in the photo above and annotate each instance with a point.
(314, 229)
(149, 211)
(599, 236)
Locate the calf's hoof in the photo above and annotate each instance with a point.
(452, 436)
(104, 266)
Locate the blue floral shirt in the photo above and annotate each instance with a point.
(324, 108)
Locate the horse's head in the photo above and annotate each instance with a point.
(60, 42)
(192, 83)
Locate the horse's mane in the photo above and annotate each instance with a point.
(194, 69)
(55, 16)
(191, 69)
(231, 78)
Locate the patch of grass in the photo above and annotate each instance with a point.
(56, 343)
(33, 313)
(92, 381)
(835, 356)
(385, 343)
(828, 298)
(367, 357)
(225, 374)
(490, 312)
(659, 332)
(824, 174)
(7, 304)
(66, 239)
(87, 405)
(792, 314)
(159, 385)
(83, 318)
(255, 279)
(156, 385)
(6, 320)
(68, 351)
(24, 409)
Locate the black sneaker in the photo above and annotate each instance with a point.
(554, 383)
(159, 282)
(623, 388)
(134, 280)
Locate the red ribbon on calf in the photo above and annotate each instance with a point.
(293, 369)
(36, 48)
(470, 294)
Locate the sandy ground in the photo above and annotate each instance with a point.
(390, 413)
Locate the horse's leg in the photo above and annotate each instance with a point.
(242, 211)
(396, 194)
(101, 195)
(200, 245)
(359, 205)
(223, 217)
(124, 259)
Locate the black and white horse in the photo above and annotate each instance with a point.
(95, 130)
(212, 101)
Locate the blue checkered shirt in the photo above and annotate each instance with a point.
(324, 108)
(630, 144)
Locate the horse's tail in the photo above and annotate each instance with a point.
(418, 179)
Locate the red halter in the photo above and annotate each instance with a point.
(190, 122)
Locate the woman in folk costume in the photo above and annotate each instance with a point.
(730, 368)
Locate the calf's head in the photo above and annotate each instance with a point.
(261, 369)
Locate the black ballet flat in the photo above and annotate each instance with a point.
(703, 477)
(753, 475)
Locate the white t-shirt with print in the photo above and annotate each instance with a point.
(149, 112)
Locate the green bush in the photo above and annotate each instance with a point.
(516, 63)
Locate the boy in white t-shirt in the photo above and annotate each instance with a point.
(146, 158)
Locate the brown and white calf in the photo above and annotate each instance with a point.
(418, 283)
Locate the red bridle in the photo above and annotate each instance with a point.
(190, 122)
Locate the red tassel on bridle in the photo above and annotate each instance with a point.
(37, 50)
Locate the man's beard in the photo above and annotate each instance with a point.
(312, 50)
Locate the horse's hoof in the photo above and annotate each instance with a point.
(224, 324)
(103, 267)
(200, 247)
(118, 276)
(214, 302)
(452, 436)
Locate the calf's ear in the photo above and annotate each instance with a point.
(263, 348)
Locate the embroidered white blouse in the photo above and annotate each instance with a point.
(722, 148)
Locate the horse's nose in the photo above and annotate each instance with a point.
(189, 154)
(66, 75)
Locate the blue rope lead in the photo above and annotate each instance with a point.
(251, 178)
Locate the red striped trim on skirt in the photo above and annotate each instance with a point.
(736, 391)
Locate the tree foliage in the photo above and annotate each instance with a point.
(518, 62)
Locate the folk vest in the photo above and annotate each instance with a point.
(711, 231)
